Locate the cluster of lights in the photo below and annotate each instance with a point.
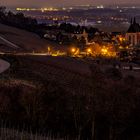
(100, 7)
(121, 39)
(104, 51)
(118, 19)
(54, 18)
(48, 9)
(35, 9)
(126, 47)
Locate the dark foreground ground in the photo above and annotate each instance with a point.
(66, 97)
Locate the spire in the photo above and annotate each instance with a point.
(131, 21)
(134, 22)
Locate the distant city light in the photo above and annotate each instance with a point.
(99, 22)
(37, 9)
(63, 8)
(100, 7)
(120, 11)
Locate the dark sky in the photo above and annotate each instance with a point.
(45, 3)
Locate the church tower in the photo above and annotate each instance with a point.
(133, 33)
(85, 35)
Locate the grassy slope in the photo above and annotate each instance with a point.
(62, 71)
(27, 70)
(12, 134)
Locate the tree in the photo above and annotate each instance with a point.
(97, 88)
(3, 9)
(82, 42)
(74, 40)
(2, 13)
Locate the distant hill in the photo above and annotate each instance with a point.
(113, 28)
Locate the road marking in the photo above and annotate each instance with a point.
(10, 43)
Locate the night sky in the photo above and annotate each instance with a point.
(44, 3)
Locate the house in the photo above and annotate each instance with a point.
(79, 35)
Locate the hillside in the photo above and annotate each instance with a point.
(25, 40)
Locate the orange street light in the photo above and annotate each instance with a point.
(49, 49)
(89, 50)
(73, 50)
(104, 51)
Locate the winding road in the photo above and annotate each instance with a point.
(4, 65)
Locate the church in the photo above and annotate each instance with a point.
(133, 33)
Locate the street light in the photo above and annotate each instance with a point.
(73, 50)
(49, 49)
(89, 50)
(104, 51)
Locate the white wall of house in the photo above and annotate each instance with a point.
(133, 38)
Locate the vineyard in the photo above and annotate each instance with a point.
(67, 98)
(68, 74)
(12, 134)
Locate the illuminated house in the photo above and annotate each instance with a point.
(133, 33)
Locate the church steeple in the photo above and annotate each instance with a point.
(134, 27)
(134, 22)
(131, 21)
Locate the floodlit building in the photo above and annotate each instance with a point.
(133, 33)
